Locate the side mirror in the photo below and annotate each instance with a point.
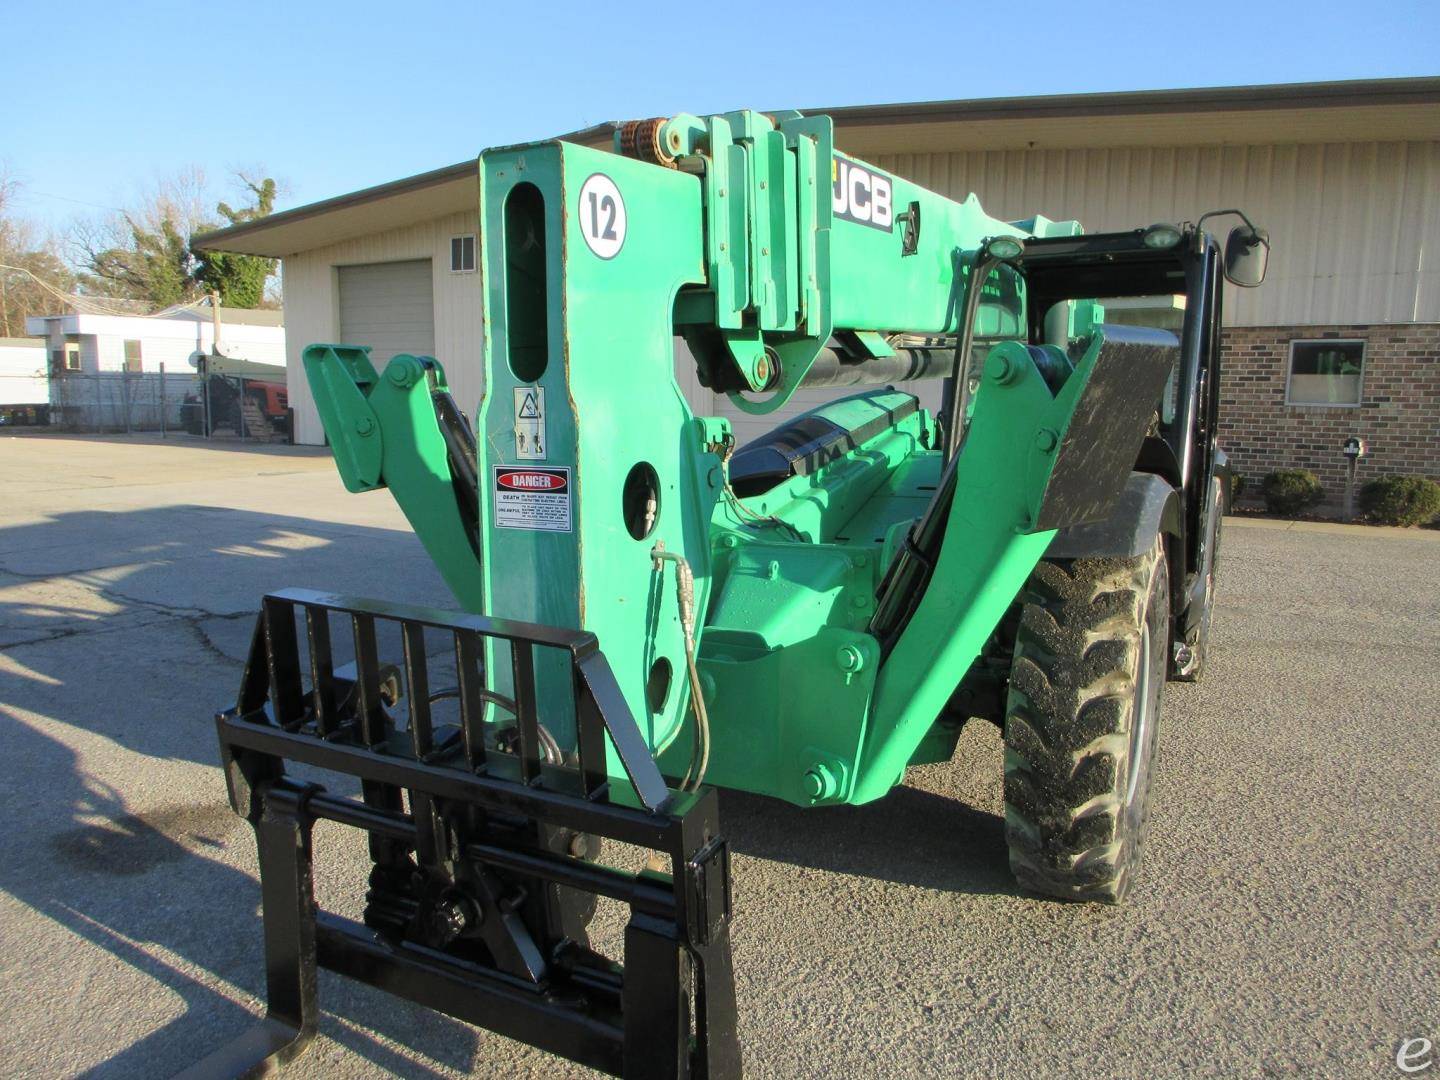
(1247, 252)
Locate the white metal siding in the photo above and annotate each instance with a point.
(388, 306)
(312, 312)
(1350, 223)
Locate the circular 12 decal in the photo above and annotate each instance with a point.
(602, 215)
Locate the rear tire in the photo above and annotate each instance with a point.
(1080, 723)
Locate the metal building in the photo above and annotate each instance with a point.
(1343, 339)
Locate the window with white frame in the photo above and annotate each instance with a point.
(462, 254)
(1325, 372)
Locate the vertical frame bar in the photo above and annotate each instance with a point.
(417, 689)
(322, 669)
(283, 663)
(590, 739)
(373, 721)
(472, 709)
(374, 732)
(527, 720)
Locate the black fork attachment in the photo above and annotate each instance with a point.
(481, 880)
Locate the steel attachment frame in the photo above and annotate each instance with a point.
(480, 881)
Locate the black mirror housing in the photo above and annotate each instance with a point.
(1247, 252)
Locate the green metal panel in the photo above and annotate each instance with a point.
(590, 262)
(611, 404)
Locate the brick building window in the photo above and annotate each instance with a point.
(1326, 372)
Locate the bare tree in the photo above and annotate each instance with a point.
(144, 253)
(29, 262)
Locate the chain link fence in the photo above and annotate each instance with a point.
(219, 406)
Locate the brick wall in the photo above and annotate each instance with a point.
(1398, 416)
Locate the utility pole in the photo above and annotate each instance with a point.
(215, 319)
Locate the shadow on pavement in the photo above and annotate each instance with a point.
(912, 836)
(122, 632)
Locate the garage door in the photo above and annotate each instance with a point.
(388, 306)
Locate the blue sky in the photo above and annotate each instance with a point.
(104, 98)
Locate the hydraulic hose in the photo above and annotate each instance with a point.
(685, 598)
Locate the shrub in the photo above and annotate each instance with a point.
(1288, 491)
(1237, 487)
(1401, 500)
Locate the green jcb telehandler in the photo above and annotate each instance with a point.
(648, 612)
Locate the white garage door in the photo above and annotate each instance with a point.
(388, 306)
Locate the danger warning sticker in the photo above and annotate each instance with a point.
(532, 498)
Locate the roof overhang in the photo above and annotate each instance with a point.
(425, 197)
(1376, 110)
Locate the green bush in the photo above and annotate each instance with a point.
(1288, 491)
(1401, 500)
(1237, 486)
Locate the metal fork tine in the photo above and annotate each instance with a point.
(472, 709)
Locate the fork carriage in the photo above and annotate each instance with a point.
(482, 876)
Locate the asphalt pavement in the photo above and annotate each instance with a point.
(1286, 923)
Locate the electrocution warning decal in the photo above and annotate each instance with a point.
(536, 498)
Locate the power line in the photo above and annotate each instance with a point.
(95, 305)
(66, 198)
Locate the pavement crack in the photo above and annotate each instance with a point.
(191, 616)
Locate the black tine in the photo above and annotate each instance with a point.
(322, 668)
(472, 709)
(590, 739)
(283, 662)
(367, 681)
(527, 723)
(417, 683)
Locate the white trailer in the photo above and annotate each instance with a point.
(24, 382)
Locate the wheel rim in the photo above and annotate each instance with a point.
(1142, 731)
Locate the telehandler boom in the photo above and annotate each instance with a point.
(649, 611)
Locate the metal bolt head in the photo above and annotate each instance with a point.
(403, 373)
(814, 784)
(850, 658)
(452, 917)
(364, 426)
(999, 368)
(1046, 440)
(821, 781)
(762, 369)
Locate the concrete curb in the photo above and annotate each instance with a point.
(1334, 527)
